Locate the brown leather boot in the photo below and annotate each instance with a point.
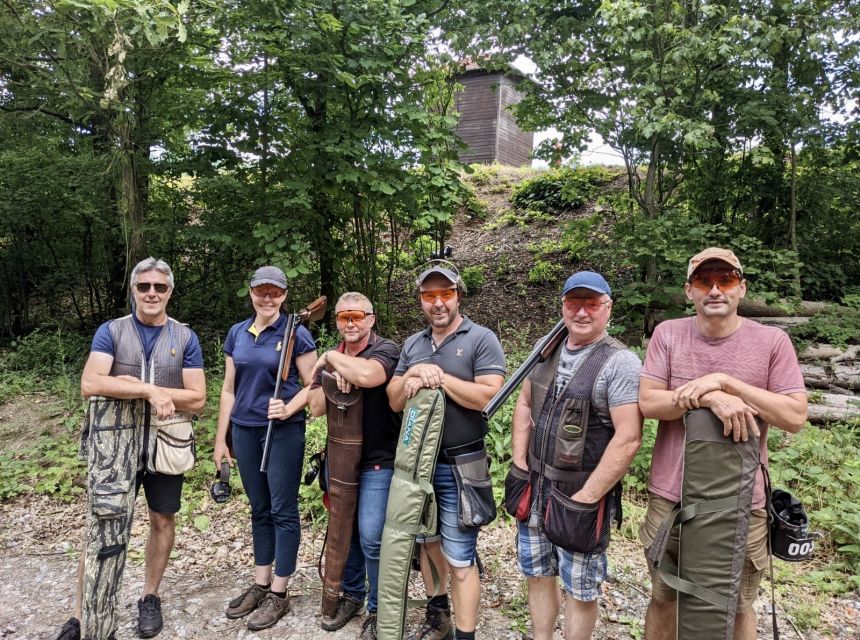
(437, 626)
(271, 609)
(247, 601)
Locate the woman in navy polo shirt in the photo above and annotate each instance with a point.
(253, 348)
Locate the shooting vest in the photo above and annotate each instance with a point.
(411, 509)
(344, 414)
(112, 442)
(710, 525)
(565, 447)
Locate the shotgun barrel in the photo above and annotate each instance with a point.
(286, 347)
(540, 353)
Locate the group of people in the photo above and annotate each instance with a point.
(576, 427)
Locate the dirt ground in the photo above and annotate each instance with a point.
(39, 539)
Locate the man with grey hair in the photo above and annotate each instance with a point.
(141, 367)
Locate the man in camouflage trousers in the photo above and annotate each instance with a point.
(140, 367)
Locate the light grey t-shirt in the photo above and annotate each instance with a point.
(616, 384)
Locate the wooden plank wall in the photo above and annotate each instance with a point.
(485, 125)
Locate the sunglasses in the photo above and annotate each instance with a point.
(705, 280)
(445, 295)
(143, 287)
(591, 305)
(263, 290)
(351, 315)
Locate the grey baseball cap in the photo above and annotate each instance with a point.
(269, 275)
(448, 274)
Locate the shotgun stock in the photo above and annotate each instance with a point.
(540, 353)
(314, 311)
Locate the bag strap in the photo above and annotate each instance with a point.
(769, 509)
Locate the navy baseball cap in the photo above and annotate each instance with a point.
(586, 280)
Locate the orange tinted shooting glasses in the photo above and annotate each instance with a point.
(443, 294)
(705, 279)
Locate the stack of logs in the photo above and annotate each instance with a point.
(832, 373)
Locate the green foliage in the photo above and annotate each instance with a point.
(49, 466)
(473, 277)
(544, 272)
(560, 189)
(839, 326)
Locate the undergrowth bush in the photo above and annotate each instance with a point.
(560, 189)
(837, 325)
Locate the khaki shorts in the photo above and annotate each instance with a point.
(754, 565)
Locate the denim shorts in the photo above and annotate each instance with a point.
(581, 573)
(459, 544)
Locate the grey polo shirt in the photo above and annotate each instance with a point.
(472, 350)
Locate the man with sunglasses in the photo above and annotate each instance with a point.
(466, 361)
(365, 360)
(740, 370)
(576, 427)
(143, 356)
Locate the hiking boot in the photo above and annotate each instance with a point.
(368, 629)
(71, 630)
(271, 609)
(246, 602)
(437, 626)
(149, 622)
(347, 609)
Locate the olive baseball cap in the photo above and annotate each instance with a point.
(713, 253)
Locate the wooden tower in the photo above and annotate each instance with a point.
(486, 124)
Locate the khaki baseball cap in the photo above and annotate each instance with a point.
(713, 253)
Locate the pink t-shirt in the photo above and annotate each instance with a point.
(758, 355)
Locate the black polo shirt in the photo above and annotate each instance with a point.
(472, 350)
(380, 424)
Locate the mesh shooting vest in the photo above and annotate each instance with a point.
(566, 445)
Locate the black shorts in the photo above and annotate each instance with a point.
(162, 491)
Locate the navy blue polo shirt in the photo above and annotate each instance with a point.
(472, 350)
(255, 359)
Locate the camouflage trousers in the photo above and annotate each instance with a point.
(112, 442)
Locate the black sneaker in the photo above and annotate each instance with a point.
(71, 630)
(149, 621)
(368, 629)
(347, 609)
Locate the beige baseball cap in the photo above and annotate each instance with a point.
(713, 253)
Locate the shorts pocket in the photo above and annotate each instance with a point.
(576, 526)
(518, 493)
(110, 499)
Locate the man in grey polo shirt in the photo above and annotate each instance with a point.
(466, 361)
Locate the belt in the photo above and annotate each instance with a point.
(446, 456)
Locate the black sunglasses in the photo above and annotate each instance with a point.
(143, 287)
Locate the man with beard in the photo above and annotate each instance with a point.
(466, 361)
(365, 360)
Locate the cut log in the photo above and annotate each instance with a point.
(753, 307)
(819, 352)
(834, 408)
(784, 323)
(820, 376)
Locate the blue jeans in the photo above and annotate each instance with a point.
(274, 496)
(367, 536)
(459, 544)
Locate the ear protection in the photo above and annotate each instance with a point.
(220, 489)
